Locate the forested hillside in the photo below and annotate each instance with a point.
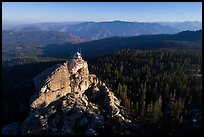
(162, 88)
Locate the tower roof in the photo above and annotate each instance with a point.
(77, 54)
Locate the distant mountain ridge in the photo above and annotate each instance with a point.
(103, 47)
(183, 26)
(98, 30)
(36, 36)
(24, 40)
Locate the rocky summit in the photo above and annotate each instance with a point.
(70, 101)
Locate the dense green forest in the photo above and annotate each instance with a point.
(163, 88)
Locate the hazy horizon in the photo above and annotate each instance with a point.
(19, 13)
(13, 24)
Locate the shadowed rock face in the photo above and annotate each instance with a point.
(70, 101)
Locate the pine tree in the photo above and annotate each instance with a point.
(142, 99)
(157, 110)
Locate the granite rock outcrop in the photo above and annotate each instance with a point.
(70, 101)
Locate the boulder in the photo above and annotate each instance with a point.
(111, 103)
(84, 85)
(77, 64)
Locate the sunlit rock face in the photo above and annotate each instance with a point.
(50, 85)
